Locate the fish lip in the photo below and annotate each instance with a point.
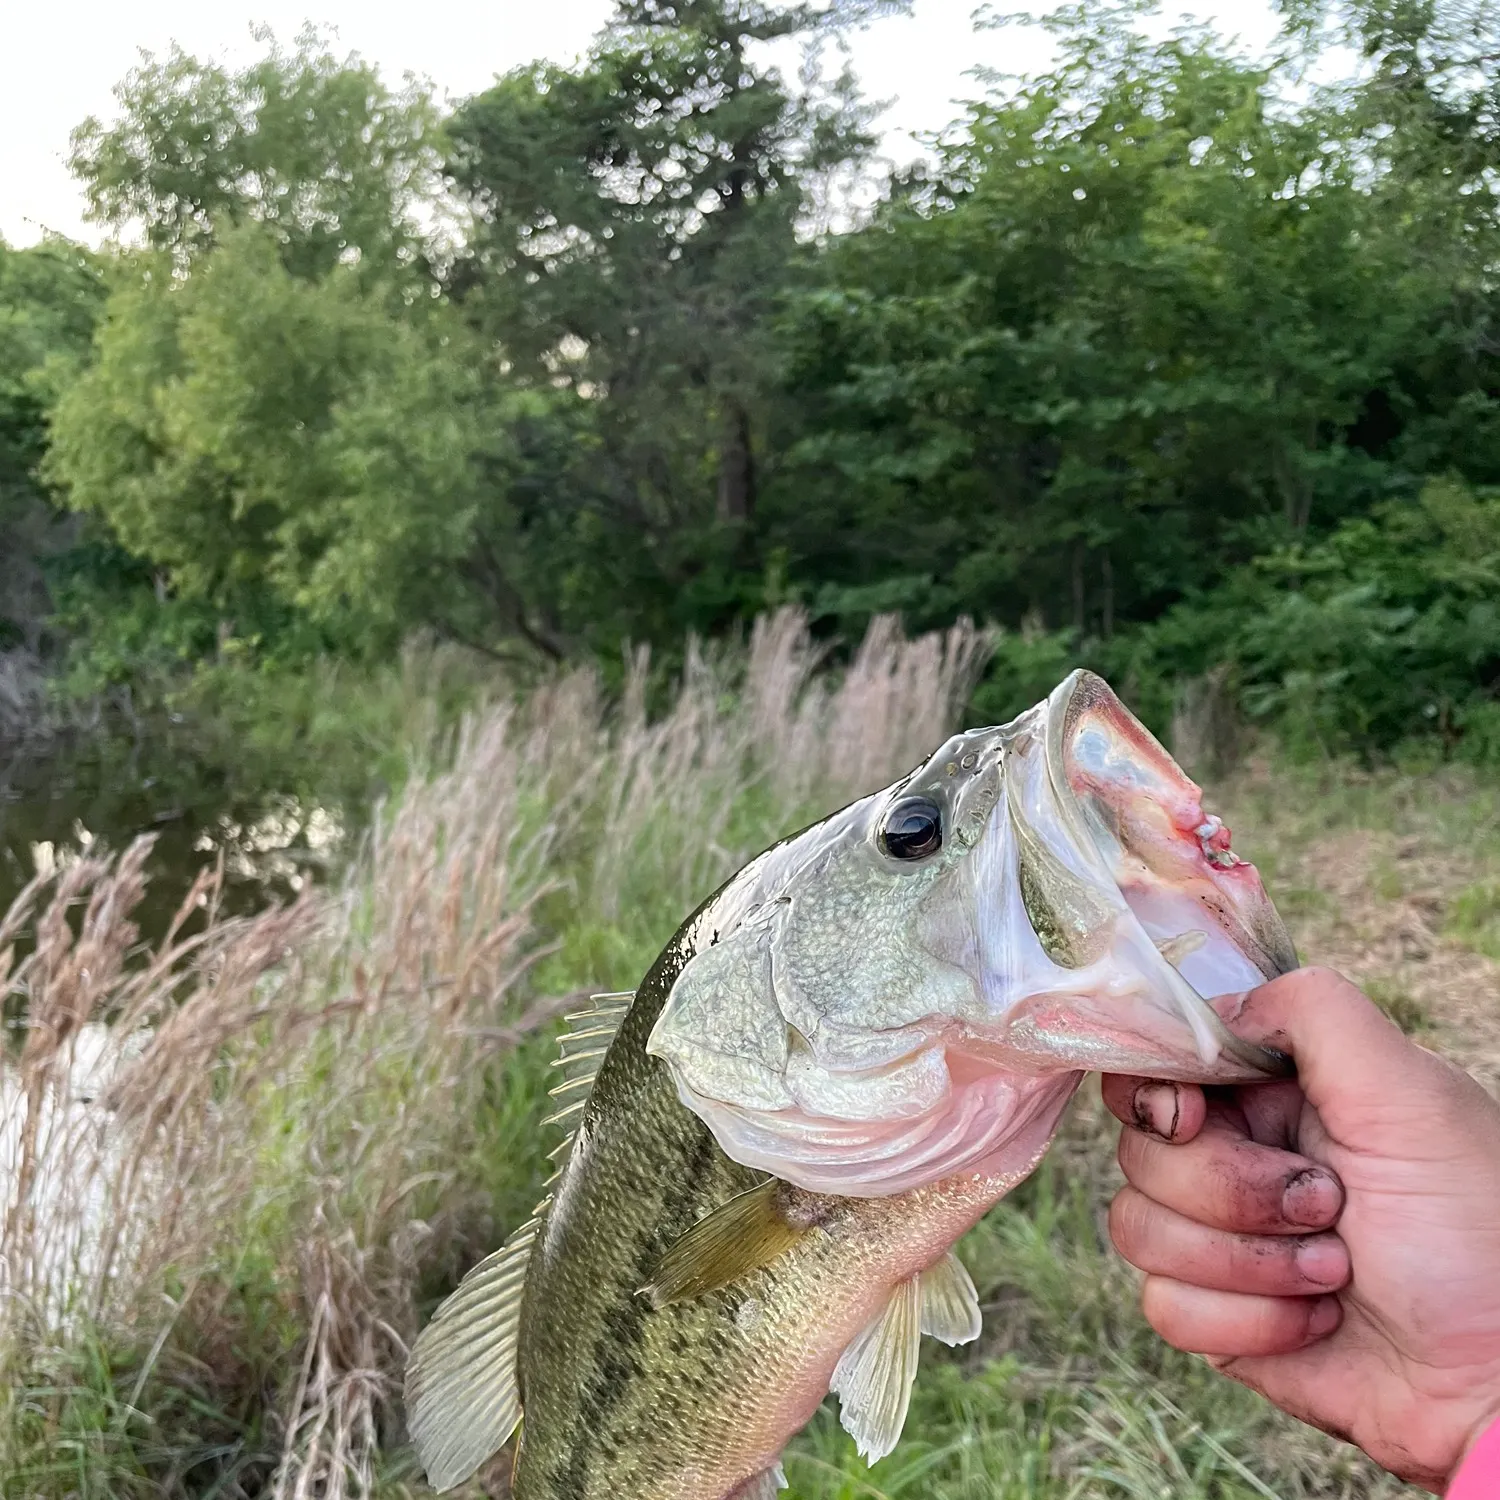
(1271, 1061)
(1079, 691)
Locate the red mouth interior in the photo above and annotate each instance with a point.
(1172, 861)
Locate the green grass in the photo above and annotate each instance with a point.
(389, 1155)
(1399, 1004)
(1474, 918)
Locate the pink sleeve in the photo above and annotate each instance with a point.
(1478, 1476)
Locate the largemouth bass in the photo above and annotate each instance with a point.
(838, 1064)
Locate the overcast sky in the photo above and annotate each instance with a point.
(59, 62)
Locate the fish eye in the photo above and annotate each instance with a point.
(912, 829)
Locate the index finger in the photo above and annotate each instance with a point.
(1226, 1180)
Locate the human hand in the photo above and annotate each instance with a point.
(1385, 1332)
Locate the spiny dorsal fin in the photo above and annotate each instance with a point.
(874, 1374)
(950, 1305)
(738, 1237)
(463, 1399)
(581, 1050)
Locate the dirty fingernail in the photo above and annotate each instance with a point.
(1157, 1109)
(1323, 1261)
(1312, 1198)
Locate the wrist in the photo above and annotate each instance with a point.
(1477, 1476)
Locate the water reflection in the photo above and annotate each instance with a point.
(279, 847)
(55, 809)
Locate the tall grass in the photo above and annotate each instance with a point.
(238, 1164)
(238, 1168)
(237, 1149)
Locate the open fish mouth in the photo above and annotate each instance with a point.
(1109, 810)
(915, 986)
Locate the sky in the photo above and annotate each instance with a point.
(60, 62)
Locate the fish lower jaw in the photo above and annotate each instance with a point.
(985, 1114)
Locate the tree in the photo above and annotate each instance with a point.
(1422, 115)
(254, 433)
(335, 164)
(1141, 321)
(635, 222)
(50, 298)
(1148, 321)
(284, 422)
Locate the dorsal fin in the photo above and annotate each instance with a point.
(580, 1052)
(463, 1398)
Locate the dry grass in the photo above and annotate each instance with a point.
(1395, 880)
(234, 1161)
(240, 1167)
(294, 1083)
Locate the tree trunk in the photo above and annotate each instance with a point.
(736, 467)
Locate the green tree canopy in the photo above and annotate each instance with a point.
(337, 165)
(50, 298)
(635, 221)
(248, 430)
(1159, 330)
(1140, 321)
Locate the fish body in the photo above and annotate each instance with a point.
(838, 1064)
(690, 1399)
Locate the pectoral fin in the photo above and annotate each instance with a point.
(737, 1238)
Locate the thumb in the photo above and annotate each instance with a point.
(1353, 1063)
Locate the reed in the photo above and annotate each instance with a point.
(236, 1162)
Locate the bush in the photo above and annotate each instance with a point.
(1381, 640)
(1386, 633)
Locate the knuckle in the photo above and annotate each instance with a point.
(1315, 976)
(1128, 1215)
(1315, 984)
(1248, 1193)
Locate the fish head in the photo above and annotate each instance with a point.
(914, 985)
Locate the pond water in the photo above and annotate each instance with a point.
(93, 796)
